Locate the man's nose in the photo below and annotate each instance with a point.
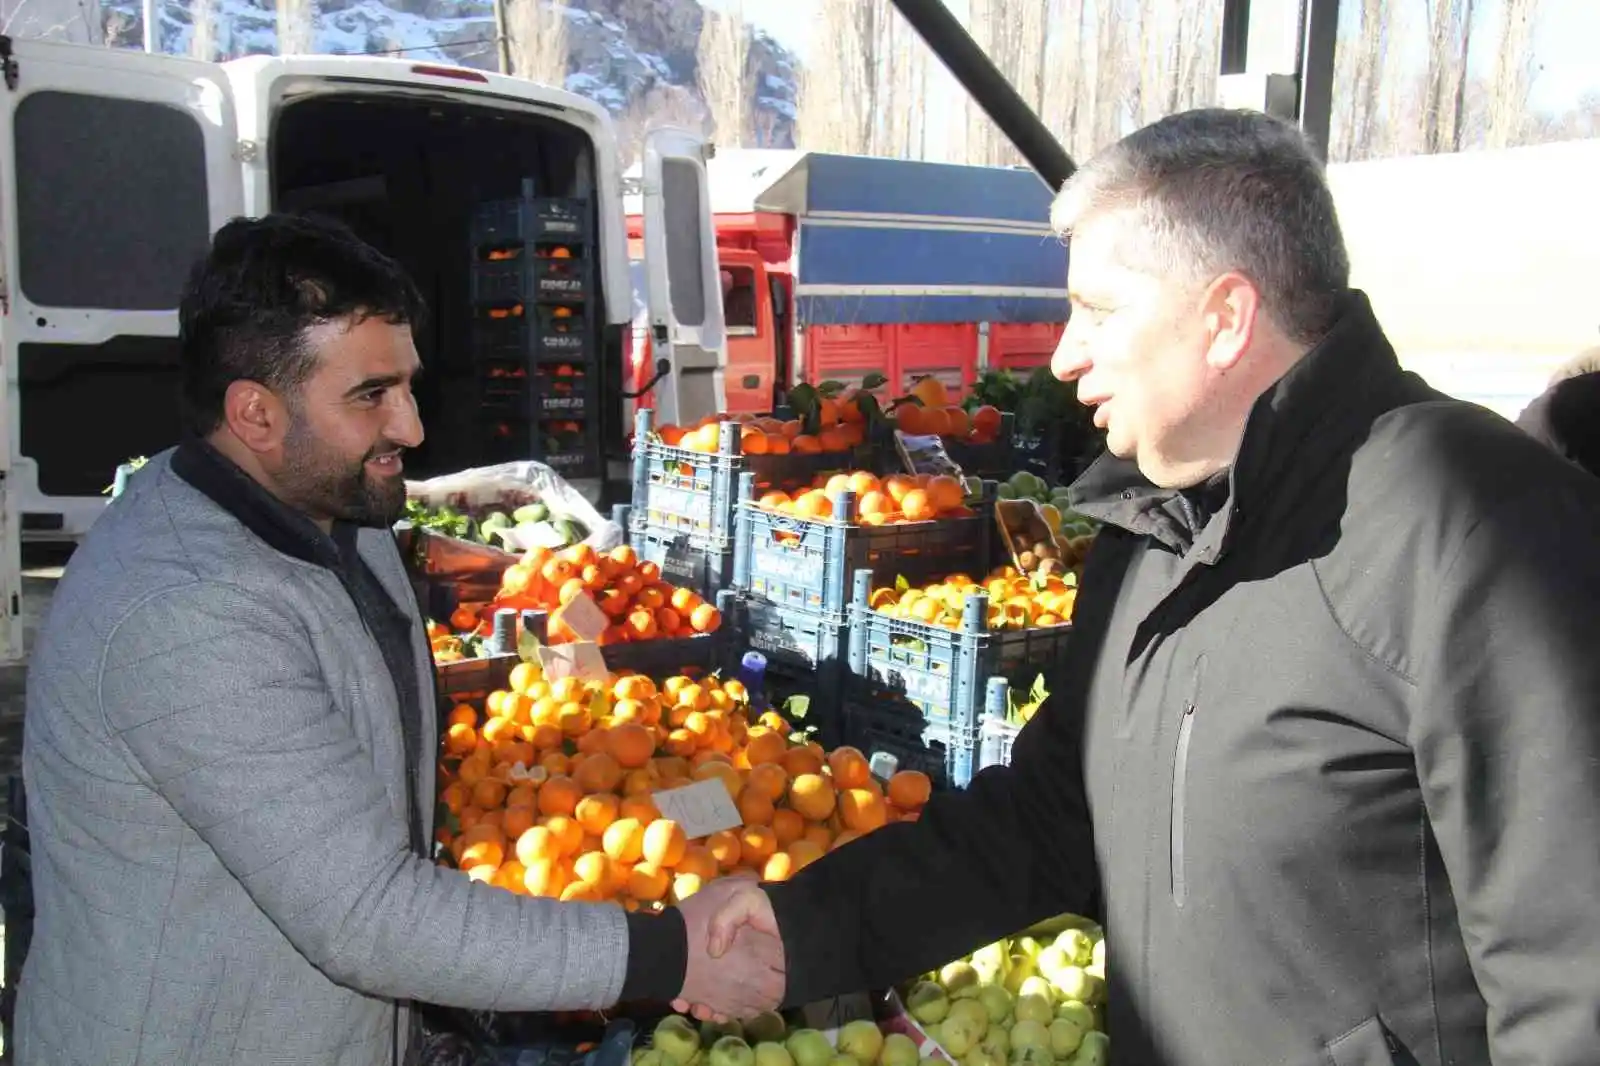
(405, 424)
(1070, 360)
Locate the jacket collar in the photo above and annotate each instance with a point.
(1312, 410)
(281, 526)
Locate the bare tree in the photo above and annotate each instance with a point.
(297, 27)
(723, 62)
(203, 29)
(538, 43)
(1447, 45)
(833, 116)
(662, 105)
(1508, 101)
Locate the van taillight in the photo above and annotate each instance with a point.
(459, 73)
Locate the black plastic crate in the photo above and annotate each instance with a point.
(512, 331)
(570, 452)
(948, 756)
(531, 220)
(511, 390)
(523, 275)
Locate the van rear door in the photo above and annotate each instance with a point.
(115, 169)
(683, 281)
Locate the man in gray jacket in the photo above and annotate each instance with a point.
(231, 725)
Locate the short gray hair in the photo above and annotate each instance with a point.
(1217, 190)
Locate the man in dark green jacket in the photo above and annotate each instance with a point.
(1329, 747)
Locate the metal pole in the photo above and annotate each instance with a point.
(501, 40)
(985, 84)
(152, 42)
(1321, 26)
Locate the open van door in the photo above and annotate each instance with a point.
(115, 169)
(683, 283)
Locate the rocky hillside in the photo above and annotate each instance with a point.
(622, 50)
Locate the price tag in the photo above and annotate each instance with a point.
(583, 660)
(701, 809)
(583, 616)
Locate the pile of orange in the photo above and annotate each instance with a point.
(841, 426)
(447, 646)
(639, 605)
(1016, 601)
(927, 411)
(879, 501)
(549, 789)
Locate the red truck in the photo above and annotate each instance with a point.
(836, 267)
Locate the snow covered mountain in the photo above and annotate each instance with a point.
(621, 50)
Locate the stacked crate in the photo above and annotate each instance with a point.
(534, 332)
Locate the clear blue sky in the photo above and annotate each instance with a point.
(1566, 47)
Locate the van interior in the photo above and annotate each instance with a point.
(406, 174)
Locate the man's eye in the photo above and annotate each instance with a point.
(373, 396)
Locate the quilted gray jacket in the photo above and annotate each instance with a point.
(216, 798)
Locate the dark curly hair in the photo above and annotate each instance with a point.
(248, 304)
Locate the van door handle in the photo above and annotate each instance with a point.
(752, 381)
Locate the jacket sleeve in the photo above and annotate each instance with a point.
(1506, 733)
(224, 711)
(1013, 848)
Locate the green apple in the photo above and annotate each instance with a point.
(1077, 1012)
(861, 1040)
(973, 1013)
(958, 1035)
(1031, 1056)
(769, 1053)
(1065, 1036)
(978, 1056)
(1022, 967)
(766, 1027)
(731, 1051)
(1094, 1051)
(845, 1060)
(1074, 982)
(711, 1032)
(997, 1040)
(809, 1047)
(1055, 958)
(1029, 1034)
(997, 1003)
(899, 1050)
(928, 1003)
(676, 1039)
(959, 978)
(1033, 1007)
(1077, 944)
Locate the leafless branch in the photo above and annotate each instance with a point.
(537, 32)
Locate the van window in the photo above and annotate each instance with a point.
(739, 300)
(111, 201)
(680, 193)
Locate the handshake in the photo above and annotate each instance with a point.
(735, 966)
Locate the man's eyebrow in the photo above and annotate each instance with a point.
(372, 384)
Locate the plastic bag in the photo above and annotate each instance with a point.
(508, 486)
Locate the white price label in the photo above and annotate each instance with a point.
(584, 617)
(700, 809)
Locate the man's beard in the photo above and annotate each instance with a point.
(323, 485)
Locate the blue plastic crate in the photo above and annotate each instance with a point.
(792, 639)
(512, 332)
(530, 220)
(525, 276)
(805, 562)
(679, 491)
(995, 740)
(509, 390)
(943, 671)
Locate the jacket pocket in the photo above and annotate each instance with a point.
(1368, 1044)
(1178, 830)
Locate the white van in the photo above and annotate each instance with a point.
(117, 166)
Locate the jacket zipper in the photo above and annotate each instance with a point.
(1180, 777)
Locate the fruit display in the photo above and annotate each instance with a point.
(1016, 601)
(638, 605)
(550, 787)
(769, 1040)
(510, 527)
(1027, 1000)
(840, 428)
(889, 500)
(928, 411)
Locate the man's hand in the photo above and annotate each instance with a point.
(736, 967)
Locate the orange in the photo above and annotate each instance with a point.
(705, 619)
(631, 745)
(726, 848)
(545, 877)
(463, 714)
(917, 507)
(596, 812)
(599, 773)
(769, 779)
(777, 867)
(819, 834)
(624, 840)
(517, 820)
(698, 860)
(849, 767)
(664, 843)
(765, 746)
(862, 809)
(483, 853)
(648, 882)
(684, 886)
(755, 808)
(910, 789)
(944, 492)
(752, 441)
(813, 504)
(788, 826)
(802, 760)
(461, 739)
(956, 423)
(641, 808)
(559, 795)
(488, 794)
(757, 843)
(804, 853)
(931, 392)
(911, 419)
(596, 868)
(568, 833)
(897, 486)
(510, 877)
(581, 891)
(455, 797)
(812, 795)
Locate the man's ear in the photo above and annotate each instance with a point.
(255, 415)
(1230, 305)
